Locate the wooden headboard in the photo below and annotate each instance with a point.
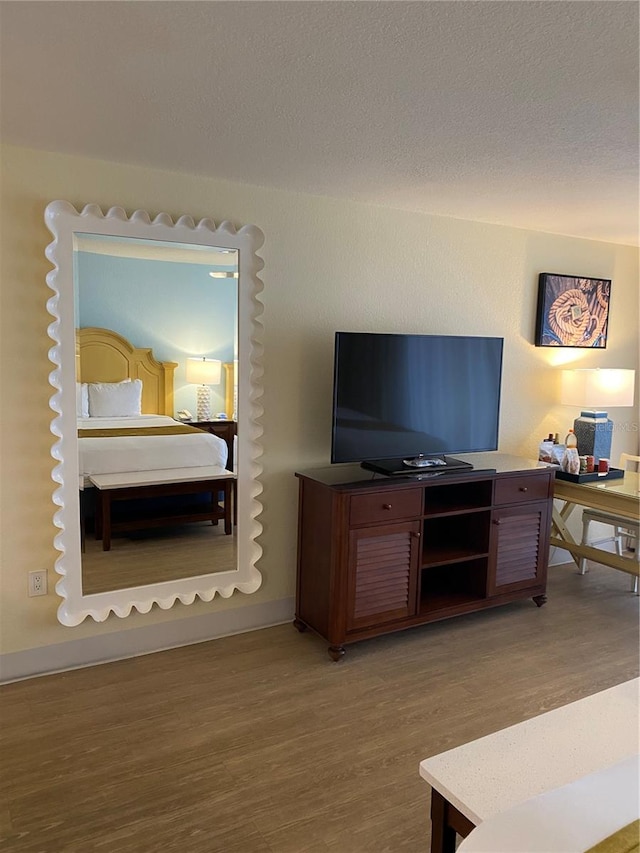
(229, 389)
(105, 356)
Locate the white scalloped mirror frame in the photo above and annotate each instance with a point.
(63, 220)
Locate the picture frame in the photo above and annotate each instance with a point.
(573, 311)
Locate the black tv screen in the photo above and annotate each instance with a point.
(400, 396)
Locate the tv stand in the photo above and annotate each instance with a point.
(382, 554)
(416, 464)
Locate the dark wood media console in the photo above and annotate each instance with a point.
(379, 554)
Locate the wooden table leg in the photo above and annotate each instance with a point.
(83, 521)
(105, 497)
(443, 837)
(228, 526)
(97, 515)
(446, 822)
(215, 502)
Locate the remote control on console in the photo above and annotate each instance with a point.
(423, 462)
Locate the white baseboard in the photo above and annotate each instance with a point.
(105, 648)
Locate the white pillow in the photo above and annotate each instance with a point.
(115, 399)
(82, 400)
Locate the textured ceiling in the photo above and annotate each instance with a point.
(522, 113)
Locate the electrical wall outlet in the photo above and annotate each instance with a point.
(38, 583)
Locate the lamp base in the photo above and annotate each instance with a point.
(203, 404)
(594, 432)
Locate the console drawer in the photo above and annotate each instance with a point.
(385, 506)
(513, 490)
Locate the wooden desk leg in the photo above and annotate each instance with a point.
(559, 525)
(446, 823)
(105, 500)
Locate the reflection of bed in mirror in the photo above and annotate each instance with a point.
(124, 406)
(109, 444)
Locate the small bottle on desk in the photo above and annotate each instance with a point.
(570, 458)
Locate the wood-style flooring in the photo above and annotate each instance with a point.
(257, 743)
(156, 556)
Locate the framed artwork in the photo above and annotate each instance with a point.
(573, 311)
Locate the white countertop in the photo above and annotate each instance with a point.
(570, 819)
(496, 772)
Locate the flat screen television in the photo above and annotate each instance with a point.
(403, 402)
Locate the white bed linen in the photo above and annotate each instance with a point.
(113, 455)
(570, 819)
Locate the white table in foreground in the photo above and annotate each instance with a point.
(572, 819)
(131, 485)
(477, 780)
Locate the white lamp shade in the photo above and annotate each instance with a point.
(204, 371)
(597, 388)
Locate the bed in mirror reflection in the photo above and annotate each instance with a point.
(124, 399)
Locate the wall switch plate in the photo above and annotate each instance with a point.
(37, 583)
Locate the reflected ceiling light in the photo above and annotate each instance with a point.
(223, 274)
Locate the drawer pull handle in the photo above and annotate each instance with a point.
(497, 521)
(386, 506)
(522, 489)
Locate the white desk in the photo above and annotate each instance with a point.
(477, 780)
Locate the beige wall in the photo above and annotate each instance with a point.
(328, 265)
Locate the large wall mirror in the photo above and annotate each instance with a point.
(157, 353)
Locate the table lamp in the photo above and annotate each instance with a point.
(204, 372)
(594, 390)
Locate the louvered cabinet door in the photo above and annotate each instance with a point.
(382, 574)
(519, 548)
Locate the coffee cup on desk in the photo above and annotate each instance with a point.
(603, 466)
